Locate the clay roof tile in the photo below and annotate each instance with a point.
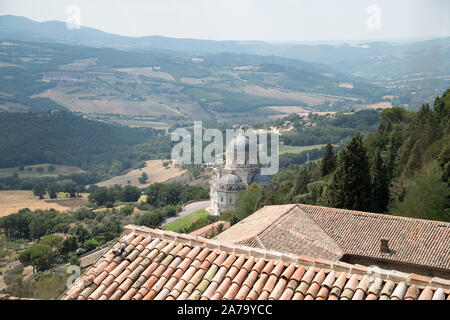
(171, 268)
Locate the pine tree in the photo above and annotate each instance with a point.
(328, 163)
(350, 184)
(380, 184)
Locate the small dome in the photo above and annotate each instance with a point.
(230, 179)
(262, 179)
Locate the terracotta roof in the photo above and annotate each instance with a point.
(147, 264)
(333, 232)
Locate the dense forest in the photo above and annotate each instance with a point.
(64, 138)
(401, 169)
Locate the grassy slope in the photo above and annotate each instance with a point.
(186, 221)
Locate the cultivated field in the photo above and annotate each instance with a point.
(380, 105)
(148, 72)
(297, 149)
(155, 171)
(14, 200)
(288, 109)
(90, 102)
(30, 171)
(309, 99)
(142, 124)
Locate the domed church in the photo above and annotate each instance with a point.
(237, 174)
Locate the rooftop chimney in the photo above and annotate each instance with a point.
(384, 245)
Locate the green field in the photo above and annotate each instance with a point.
(297, 149)
(186, 221)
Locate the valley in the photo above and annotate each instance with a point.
(170, 87)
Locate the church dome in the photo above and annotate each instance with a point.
(262, 179)
(230, 179)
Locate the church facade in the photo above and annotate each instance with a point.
(237, 174)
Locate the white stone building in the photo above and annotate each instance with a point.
(237, 174)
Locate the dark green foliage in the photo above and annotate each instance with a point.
(74, 260)
(350, 184)
(69, 245)
(28, 225)
(67, 139)
(150, 219)
(103, 195)
(248, 201)
(127, 210)
(52, 191)
(422, 133)
(328, 163)
(39, 256)
(130, 194)
(380, 184)
(39, 191)
(154, 217)
(16, 226)
(442, 110)
(163, 194)
(81, 232)
(143, 178)
(302, 181)
(90, 244)
(428, 198)
(444, 161)
(52, 240)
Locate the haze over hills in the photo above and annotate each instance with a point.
(21, 28)
(381, 59)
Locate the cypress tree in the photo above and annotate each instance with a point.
(301, 183)
(350, 184)
(380, 184)
(328, 163)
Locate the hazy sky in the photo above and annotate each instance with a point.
(269, 20)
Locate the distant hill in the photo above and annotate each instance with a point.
(67, 139)
(38, 76)
(370, 59)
